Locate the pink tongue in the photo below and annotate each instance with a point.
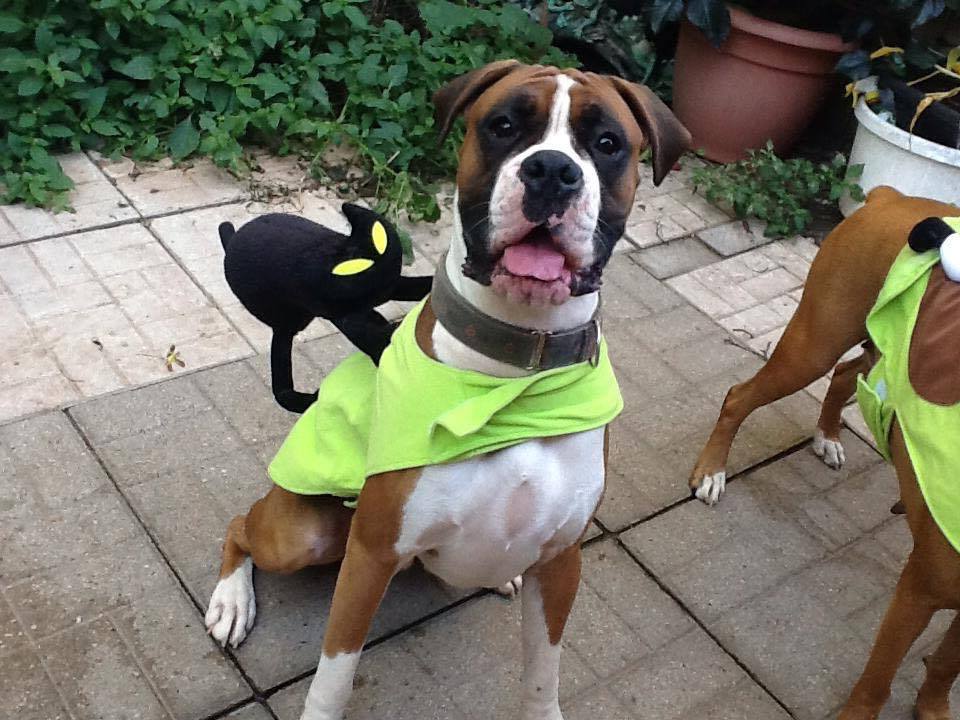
(537, 260)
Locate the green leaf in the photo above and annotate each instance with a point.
(270, 35)
(356, 18)
(95, 99)
(712, 17)
(664, 12)
(140, 67)
(271, 85)
(104, 127)
(183, 140)
(219, 95)
(56, 131)
(196, 88)
(11, 24)
(29, 86)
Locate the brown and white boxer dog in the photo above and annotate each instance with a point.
(547, 177)
(842, 287)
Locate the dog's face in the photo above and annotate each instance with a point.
(548, 172)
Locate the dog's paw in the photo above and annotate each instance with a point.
(830, 451)
(510, 589)
(710, 487)
(233, 606)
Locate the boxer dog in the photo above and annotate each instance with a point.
(547, 175)
(842, 287)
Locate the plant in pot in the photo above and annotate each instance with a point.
(752, 72)
(906, 100)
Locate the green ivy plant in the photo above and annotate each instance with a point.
(780, 192)
(183, 78)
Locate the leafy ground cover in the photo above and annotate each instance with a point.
(191, 77)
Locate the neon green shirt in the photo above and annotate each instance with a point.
(930, 431)
(414, 411)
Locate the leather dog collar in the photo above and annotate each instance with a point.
(510, 344)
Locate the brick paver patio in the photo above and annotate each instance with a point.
(116, 488)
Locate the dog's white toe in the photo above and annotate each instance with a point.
(712, 487)
(233, 606)
(510, 589)
(830, 451)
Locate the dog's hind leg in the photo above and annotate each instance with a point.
(547, 596)
(826, 441)
(908, 616)
(283, 532)
(933, 700)
(281, 374)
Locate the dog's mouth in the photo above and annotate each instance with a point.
(533, 270)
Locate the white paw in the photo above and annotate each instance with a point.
(830, 451)
(233, 606)
(712, 487)
(510, 589)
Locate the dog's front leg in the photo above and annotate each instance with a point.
(548, 594)
(370, 563)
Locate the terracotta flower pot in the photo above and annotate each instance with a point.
(764, 83)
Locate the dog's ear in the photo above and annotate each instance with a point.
(928, 234)
(668, 138)
(456, 96)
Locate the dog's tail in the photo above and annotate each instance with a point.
(226, 231)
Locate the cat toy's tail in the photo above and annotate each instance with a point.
(226, 231)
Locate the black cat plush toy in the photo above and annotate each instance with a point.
(287, 270)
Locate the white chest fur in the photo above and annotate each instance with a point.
(482, 521)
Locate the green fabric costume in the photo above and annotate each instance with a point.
(414, 411)
(930, 431)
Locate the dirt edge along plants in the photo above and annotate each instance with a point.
(185, 78)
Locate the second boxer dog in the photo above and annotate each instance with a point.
(842, 288)
(547, 176)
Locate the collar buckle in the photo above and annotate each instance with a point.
(536, 356)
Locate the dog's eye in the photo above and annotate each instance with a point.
(502, 127)
(608, 143)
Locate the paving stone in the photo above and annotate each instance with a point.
(390, 683)
(94, 200)
(189, 672)
(744, 701)
(600, 703)
(797, 646)
(97, 311)
(733, 238)
(13, 638)
(26, 691)
(156, 189)
(474, 651)
(193, 239)
(693, 662)
(253, 711)
(676, 257)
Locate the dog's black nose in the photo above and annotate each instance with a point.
(551, 173)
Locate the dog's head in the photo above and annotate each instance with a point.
(548, 172)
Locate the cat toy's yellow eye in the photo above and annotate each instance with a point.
(352, 267)
(379, 234)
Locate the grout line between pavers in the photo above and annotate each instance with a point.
(34, 647)
(388, 636)
(156, 544)
(759, 465)
(224, 712)
(128, 644)
(733, 656)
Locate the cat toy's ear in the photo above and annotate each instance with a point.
(369, 226)
(943, 234)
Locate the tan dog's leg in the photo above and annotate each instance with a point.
(908, 615)
(370, 563)
(933, 700)
(548, 594)
(926, 583)
(826, 441)
(283, 532)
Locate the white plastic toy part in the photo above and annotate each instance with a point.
(950, 256)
